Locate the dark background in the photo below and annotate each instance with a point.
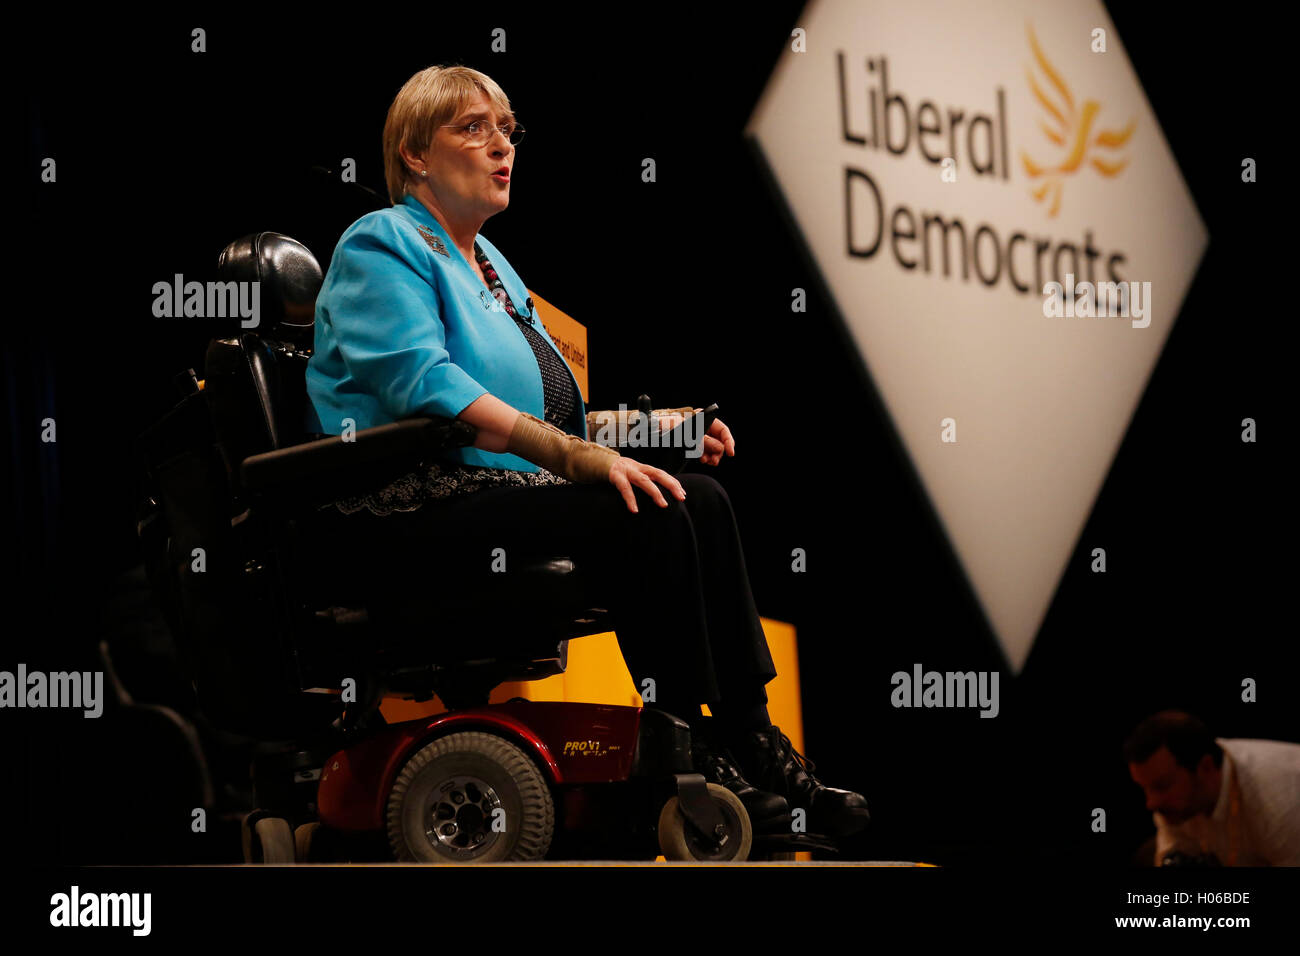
(164, 156)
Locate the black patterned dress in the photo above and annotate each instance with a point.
(445, 479)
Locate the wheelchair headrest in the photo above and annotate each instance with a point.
(290, 278)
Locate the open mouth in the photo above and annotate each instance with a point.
(502, 174)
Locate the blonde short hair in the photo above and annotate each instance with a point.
(428, 100)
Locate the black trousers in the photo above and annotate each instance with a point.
(673, 579)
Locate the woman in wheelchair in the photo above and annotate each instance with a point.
(420, 314)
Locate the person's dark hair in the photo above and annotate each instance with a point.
(1187, 738)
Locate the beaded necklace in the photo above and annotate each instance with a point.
(560, 400)
(495, 285)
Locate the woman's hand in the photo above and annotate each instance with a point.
(626, 472)
(717, 441)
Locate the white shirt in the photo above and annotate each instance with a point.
(1259, 823)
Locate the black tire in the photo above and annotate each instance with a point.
(246, 838)
(678, 841)
(447, 800)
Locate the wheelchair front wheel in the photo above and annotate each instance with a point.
(470, 797)
(679, 841)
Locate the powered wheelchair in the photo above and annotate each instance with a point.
(283, 645)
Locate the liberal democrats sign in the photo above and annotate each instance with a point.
(1008, 239)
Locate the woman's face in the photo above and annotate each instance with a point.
(465, 179)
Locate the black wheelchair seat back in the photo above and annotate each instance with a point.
(213, 577)
(255, 381)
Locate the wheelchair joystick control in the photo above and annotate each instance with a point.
(186, 382)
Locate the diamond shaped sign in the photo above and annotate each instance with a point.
(1008, 239)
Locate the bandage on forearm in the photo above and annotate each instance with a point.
(559, 452)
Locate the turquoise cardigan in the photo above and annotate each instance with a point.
(405, 327)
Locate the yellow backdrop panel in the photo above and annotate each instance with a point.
(569, 336)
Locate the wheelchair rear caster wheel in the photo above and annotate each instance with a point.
(470, 797)
(308, 843)
(679, 841)
(266, 839)
(315, 843)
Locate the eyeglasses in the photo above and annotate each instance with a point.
(479, 132)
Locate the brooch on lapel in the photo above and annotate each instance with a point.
(434, 242)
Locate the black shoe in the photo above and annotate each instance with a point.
(767, 811)
(769, 759)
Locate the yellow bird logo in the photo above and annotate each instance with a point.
(1070, 128)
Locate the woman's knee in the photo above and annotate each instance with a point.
(705, 494)
(702, 485)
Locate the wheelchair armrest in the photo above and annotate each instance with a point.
(318, 472)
